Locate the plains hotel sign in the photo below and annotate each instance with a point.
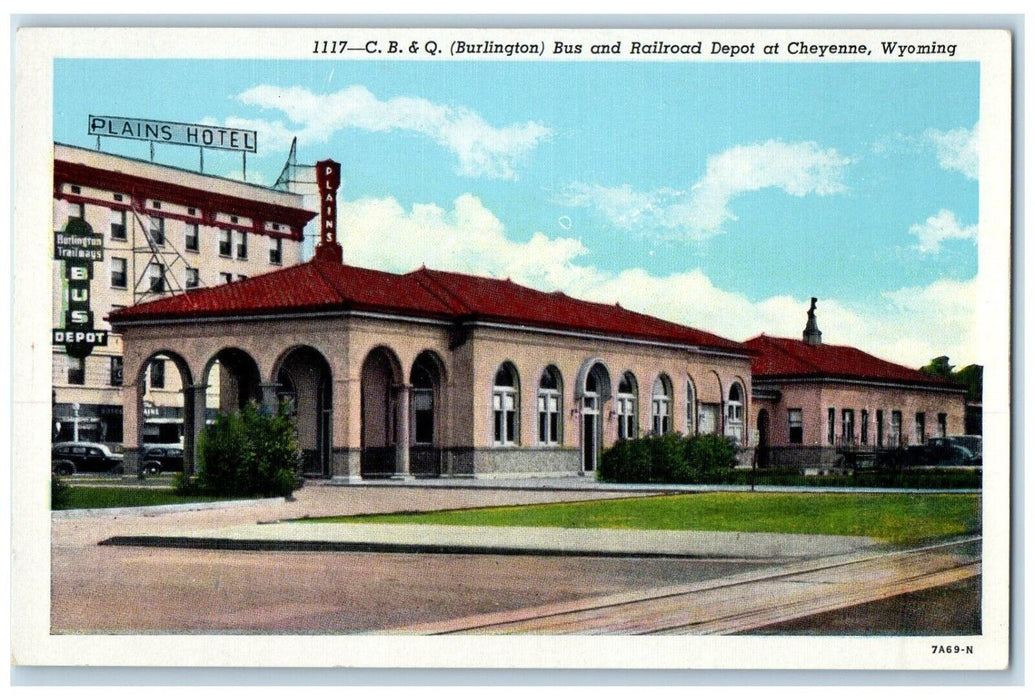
(175, 133)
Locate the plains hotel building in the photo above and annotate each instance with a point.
(165, 230)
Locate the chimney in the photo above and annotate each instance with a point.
(812, 335)
(328, 177)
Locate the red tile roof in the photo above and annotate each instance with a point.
(322, 285)
(784, 358)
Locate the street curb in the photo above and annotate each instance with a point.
(76, 513)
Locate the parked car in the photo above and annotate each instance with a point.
(161, 458)
(971, 442)
(71, 457)
(953, 451)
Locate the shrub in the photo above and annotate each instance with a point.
(60, 493)
(247, 454)
(669, 458)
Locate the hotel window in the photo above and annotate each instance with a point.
(118, 224)
(921, 428)
(242, 277)
(115, 371)
(193, 279)
(225, 245)
(625, 407)
(880, 428)
(691, 406)
(157, 230)
(242, 245)
(848, 426)
(831, 419)
(504, 405)
(895, 429)
(943, 425)
(156, 277)
(226, 277)
(794, 426)
(550, 407)
(864, 429)
(661, 406)
(118, 273)
(192, 240)
(76, 210)
(76, 370)
(276, 251)
(157, 372)
(735, 414)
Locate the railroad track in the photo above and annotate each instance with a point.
(738, 603)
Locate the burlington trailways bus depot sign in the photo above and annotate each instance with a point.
(79, 248)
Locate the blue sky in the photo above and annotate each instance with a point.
(718, 195)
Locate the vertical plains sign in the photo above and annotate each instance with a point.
(204, 136)
(328, 178)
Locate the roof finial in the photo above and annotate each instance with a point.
(812, 335)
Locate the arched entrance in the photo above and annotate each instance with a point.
(166, 406)
(426, 378)
(380, 385)
(762, 449)
(235, 376)
(304, 388)
(594, 392)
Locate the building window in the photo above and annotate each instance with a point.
(864, 428)
(276, 251)
(157, 230)
(242, 277)
(625, 407)
(118, 224)
(242, 245)
(921, 428)
(155, 204)
(118, 273)
(76, 210)
(115, 372)
(895, 429)
(157, 374)
(943, 425)
(795, 428)
(226, 277)
(831, 419)
(549, 406)
(193, 278)
(117, 197)
(880, 428)
(156, 277)
(192, 240)
(224, 242)
(691, 406)
(423, 407)
(504, 405)
(661, 406)
(735, 414)
(848, 426)
(76, 370)
(76, 189)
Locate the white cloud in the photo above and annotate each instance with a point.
(910, 327)
(482, 150)
(797, 169)
(942, 226)
(957, 149)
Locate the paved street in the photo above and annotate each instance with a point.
(139, 589)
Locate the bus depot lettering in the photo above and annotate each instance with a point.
(67, 336)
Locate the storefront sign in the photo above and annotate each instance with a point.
(202, 135)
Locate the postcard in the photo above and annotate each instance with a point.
(512, 347)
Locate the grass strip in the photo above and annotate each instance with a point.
(127, 497)
(896, 518)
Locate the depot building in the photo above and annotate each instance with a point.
(433, 372)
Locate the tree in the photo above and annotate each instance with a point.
(938, 367)
(971, 376)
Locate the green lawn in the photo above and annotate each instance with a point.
(121, 497)
(898, 518)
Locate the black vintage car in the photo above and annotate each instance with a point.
(71, 457)
(155, 459)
